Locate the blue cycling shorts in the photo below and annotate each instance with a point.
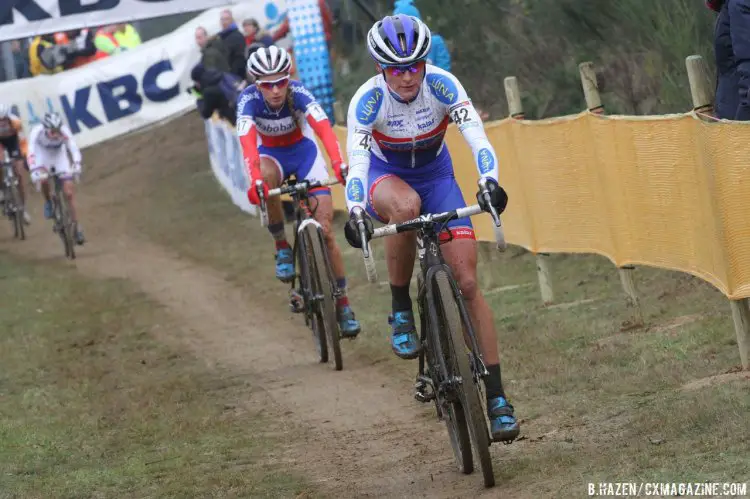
(303, 159)
(436, 185)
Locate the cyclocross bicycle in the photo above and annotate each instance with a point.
(62, 222)
(450, 364)
(316, 295)
(12, 206)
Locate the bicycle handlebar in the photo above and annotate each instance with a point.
(422, 220)
(301, 186)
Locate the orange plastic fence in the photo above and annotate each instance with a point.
(669, 191)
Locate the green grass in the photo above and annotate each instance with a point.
(594, 396)
(94, 405)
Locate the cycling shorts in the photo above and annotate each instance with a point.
(436, 185)
(303, 159)
(12, 145)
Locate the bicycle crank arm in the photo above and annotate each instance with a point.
(424, 390)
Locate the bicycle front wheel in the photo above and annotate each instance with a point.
(315, 318)
(322, 286)
(17, 207)
(458, 361)
(65, 225)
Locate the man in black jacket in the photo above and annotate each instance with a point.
(732, 52)
(234, 42)
(211, 97)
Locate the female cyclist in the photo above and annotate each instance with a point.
(276, 121)
(401, 167)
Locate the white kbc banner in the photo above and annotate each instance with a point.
(24, 18)
(128, 91)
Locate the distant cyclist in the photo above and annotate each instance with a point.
(12, 142)
(49, 144)
(277, 119)
(400, 167)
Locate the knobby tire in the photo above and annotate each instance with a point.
(66, 226)
(321, 275)
(458, 359)
(18, 222)
(304, 259)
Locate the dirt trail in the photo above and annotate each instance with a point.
(360, 433)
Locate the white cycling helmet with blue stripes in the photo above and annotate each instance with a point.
(400, 39)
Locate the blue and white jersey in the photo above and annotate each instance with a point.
(410, 134)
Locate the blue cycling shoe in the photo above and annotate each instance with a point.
(503, 422)
(80, 238)
(285, 265)
(405, 341)
(48, 213)
(348, 325)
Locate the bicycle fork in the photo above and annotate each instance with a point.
(425, 386)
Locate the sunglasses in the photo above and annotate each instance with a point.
(415, 67)
(268, 85)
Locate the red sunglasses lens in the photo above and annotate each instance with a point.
(270, 84)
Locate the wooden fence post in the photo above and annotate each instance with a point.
(515, 109)
(703, 97)
(700, 88)
(594, 104)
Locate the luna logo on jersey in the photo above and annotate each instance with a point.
(486, 161)
(369, 105)
(443, 88)
(355, 191)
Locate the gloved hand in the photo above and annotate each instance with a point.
(38, 175)
(351, 229)
(498, 197)
(252, 192)
(76, 168)
(341, 170)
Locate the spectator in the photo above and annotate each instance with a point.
(127, 36)
(732, 52)
(439, 55)
(105, 42)
(82, 48)
(253, 33)
(216, 91)
(19, 60)
(234, 43)
(214, 52)
(44, 56)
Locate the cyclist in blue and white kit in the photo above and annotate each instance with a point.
(277, 119)
(400, 167)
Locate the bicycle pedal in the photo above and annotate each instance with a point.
(296, 303)
(421, 393)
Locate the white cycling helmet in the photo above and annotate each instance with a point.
(52, 121)
(4, 111)
(401, 39)
(268, 61)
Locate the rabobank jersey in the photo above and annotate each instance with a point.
(278, 128)
(410, 134)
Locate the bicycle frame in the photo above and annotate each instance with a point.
(303, 216)
(431, 261)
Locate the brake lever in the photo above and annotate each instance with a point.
(362, 232)
(488, 201)
(262, 198)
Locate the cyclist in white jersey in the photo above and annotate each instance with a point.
(400, 167)
(49, 144)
